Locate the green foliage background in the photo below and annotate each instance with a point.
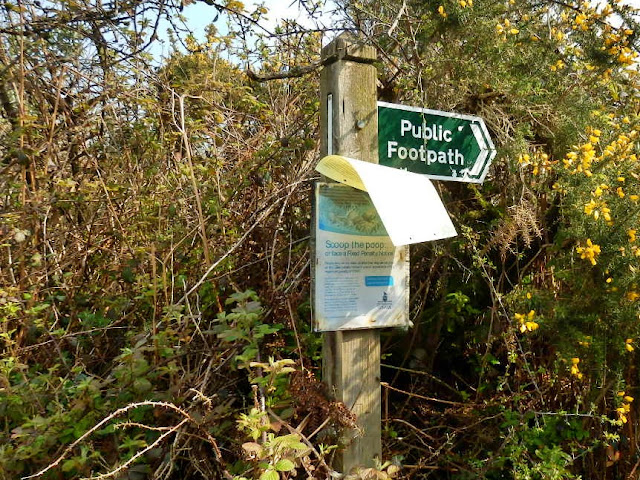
(154, 222)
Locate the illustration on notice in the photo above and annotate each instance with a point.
(354, 215)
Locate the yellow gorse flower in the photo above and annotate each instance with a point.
(625, 408)
(583, 157)
(632, 235)
(505, 27)
(590, 252)
(575, 370)
(586, 342)
(628, 346)
(527, 323)
(538, 160)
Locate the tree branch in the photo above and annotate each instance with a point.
(293, 72)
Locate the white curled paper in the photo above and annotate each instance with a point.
(408, 203)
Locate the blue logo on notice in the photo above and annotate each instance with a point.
(378, 281)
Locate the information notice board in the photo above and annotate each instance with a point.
(361, 278)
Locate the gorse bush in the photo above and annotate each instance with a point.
(544, 259)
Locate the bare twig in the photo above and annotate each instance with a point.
(293, 72)
(181, 124)
(394, 25)
(232, 249)
(138, 454)
(430, 399)
(106, 420)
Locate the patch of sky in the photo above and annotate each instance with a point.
(196, 18)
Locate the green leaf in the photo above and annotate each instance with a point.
(298, 446)
(263, 329)
(270, 475)
(69, 465)
(240, 297)
(128, 275)
(284, 465)
(142, 385)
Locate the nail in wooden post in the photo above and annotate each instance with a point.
(351, 358)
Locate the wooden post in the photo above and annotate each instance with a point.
(349, 127)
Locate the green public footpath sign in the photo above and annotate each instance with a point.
(441, 145)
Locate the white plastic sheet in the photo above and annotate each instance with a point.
(408, 203)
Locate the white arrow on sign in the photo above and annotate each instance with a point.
(477, 167)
